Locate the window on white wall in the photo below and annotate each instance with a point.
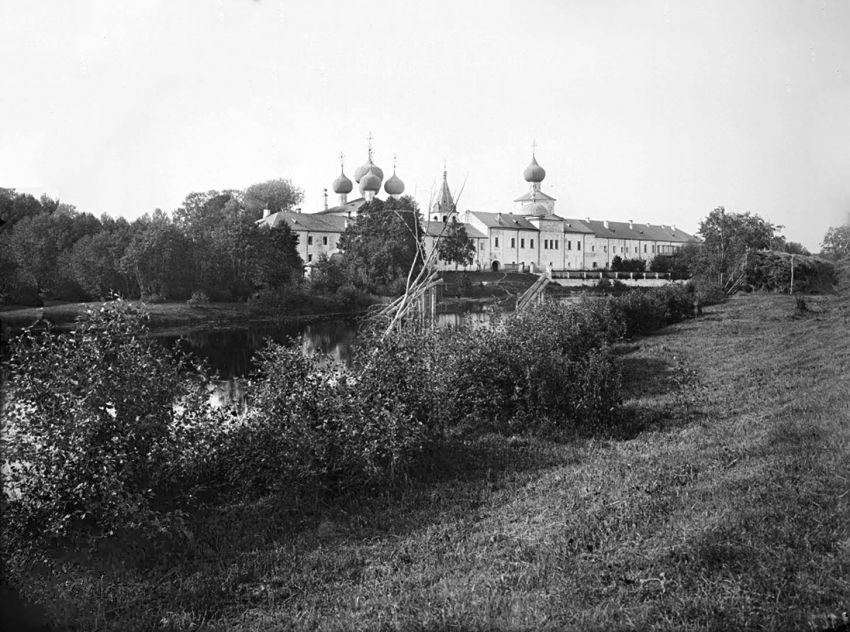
(578, 245)
(513, 243)
(522, 243)
(309, 240)
(496, 239)
(556, 244)
(532, 244)
(324, 241)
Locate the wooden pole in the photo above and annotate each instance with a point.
(792, 274)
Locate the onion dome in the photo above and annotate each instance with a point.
(394, 186)
(365, 167)
(534, 172)
(370, 181)
(342, 184)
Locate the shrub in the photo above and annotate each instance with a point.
(91, 429)
(525, 371)
(771, 270)
(316, 423)
(153, 297)
(641, 313)
(199, 297)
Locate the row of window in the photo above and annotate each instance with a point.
(310, 240)
(552, 244)
(513, 242)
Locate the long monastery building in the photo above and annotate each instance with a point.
(532, 238)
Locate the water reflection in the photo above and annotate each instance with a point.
(229, 353)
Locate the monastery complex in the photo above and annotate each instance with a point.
(531, 237)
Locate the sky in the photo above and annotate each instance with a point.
(656, 111)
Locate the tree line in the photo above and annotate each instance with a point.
(210, 247)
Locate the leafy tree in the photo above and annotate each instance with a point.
(160, 257)
(618, 264)
(836, 242)
(95, 263)
(275, 195)
(795, 248)
(90, 431)
(328, 275)
(16, 206)
(455, 246)
(726, 237)
(380, 247)
(276, 262)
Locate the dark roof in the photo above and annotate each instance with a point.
(570, 225)
(434, 229)
(538, 195)
(503, 220)
(312, 222)
(351, 206)
(635, 230)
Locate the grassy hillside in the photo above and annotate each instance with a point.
(722, 503)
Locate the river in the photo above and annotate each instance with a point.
(229, 352)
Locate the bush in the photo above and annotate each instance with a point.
(641, 312)
(92, 431)
(153, 297)
(771, 271)
(525, 370)
(618, 264)
(199, 297)
(316, 423)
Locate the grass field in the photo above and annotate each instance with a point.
(721, 503)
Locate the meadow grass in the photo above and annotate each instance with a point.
(720, 501)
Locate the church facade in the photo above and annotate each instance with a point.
(531, 238)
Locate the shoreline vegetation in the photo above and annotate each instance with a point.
(646, 473)
(483, 289)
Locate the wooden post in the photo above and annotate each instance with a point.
(792, 275)
(433, 306)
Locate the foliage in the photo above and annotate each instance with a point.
(274, 195)
(455, 246)
(212, 245)
(618, 264)
(274, 259)
(104, 425)
(771, 271)
(726, 237)
(836, 242)
(199, 297)
(380, 247)
(159, 257)
(328, 274)
(682, 264)
(795, 248)
(314, 423)
(92, 431)
(95, 264)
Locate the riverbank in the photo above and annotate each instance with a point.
(175, 315)
(462, 291)
(721, 502)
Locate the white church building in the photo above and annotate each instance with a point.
(530, 237)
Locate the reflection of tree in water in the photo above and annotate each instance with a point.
(330, 338)
(229, 352)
